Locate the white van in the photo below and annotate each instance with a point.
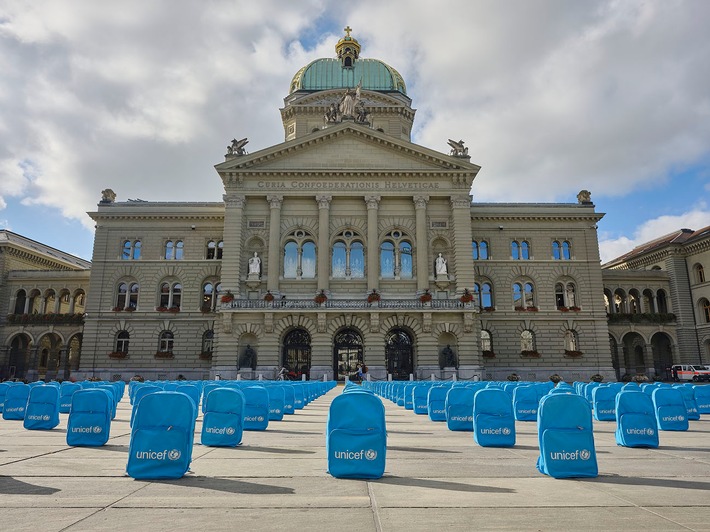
(687, 372)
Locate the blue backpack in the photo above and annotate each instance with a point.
(223, 422)
(193, 392)
(671, 412)
(566, 438)
(635, 420)
(162, 436)
(42, 411)
(4, 387)
(277, 400)
(89, 423)
(604, 401)
(408, 398)
(688, 392)
(459, 408)
(139, 394)
(419, 399)
(702, 398)
(256, 408)
(356, 437)
(436, 403)
(16, 402)
(66, 392)
(525, 403)
(493, 419)
(289, 399)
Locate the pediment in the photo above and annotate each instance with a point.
(347, 147)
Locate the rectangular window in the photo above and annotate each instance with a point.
(256, 224)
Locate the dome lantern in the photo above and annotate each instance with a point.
(347, 49)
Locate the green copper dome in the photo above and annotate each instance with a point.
(347, 70)
(324, 74)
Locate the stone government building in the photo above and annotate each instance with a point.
(349, 244)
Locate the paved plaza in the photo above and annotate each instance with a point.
(276, 480)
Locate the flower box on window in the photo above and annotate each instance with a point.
(563, 309)
(488, 354)
(161, 309)
(164, 354)
(575, 309)
(573, 354)
(425, 297)
(130, 309)
(373, 296)
(269, 296)
(320, 298)
(532, 309)
(117, 309)
(227, 298)
(174, 309)
(489, 309)
(466, 297)
(118, 354)
(519, 309)
(206, 355)
(530, 354)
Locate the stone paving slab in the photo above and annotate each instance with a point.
(277, 480)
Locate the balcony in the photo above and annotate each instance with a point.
(641, 318)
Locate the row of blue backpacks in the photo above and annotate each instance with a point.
(163, 414)
(563, 413)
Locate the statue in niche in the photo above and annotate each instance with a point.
(440, 266)
(255, 265)
(448, 358)
(249, 358)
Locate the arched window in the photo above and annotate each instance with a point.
(634, 302)
(166, 342)
(484, 295)
(561, 251)
(50, 300)
(486, 342)
(174, 250)
(214, 250)
(207, 341)
(527, 342)
(170, 295)
(127, 296)
(131, 250)
(648, 302)
(705, 309)
(20, 300)
(480, 250)
(556, 254)
(566, 250)
(571, 343)
(396, 256)
(523, 295)
(122, 340)
(300, 256)
(348, 259)
(699, 273)
(662, 302)
(520, 250)
(209, 296)
(565, 295)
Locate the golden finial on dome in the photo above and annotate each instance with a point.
(347, 49)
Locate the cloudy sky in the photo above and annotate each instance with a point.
(551, 97)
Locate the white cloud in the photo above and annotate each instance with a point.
(142, 97)
(611, 248)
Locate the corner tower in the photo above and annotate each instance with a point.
(329, 91)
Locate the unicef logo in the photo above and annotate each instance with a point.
(45, 417)
(371, 454)
(650, 431)
(230, 430)
(584, 454)
(260, 418)
(506, 431)
(97, 429)
(174, 454)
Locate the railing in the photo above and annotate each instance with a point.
(285, 304)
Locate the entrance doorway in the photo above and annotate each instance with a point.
(399, 354)
(347, 354)
(296, 355)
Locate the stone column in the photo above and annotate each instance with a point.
(648, 361)
(231, 256)
(462, 237)
(272, 279)
(420, 203)
(323, 240)
(373, 244)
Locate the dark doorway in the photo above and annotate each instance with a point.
(347, 354)
(399, 354)
(19, 351)
(296, 355)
